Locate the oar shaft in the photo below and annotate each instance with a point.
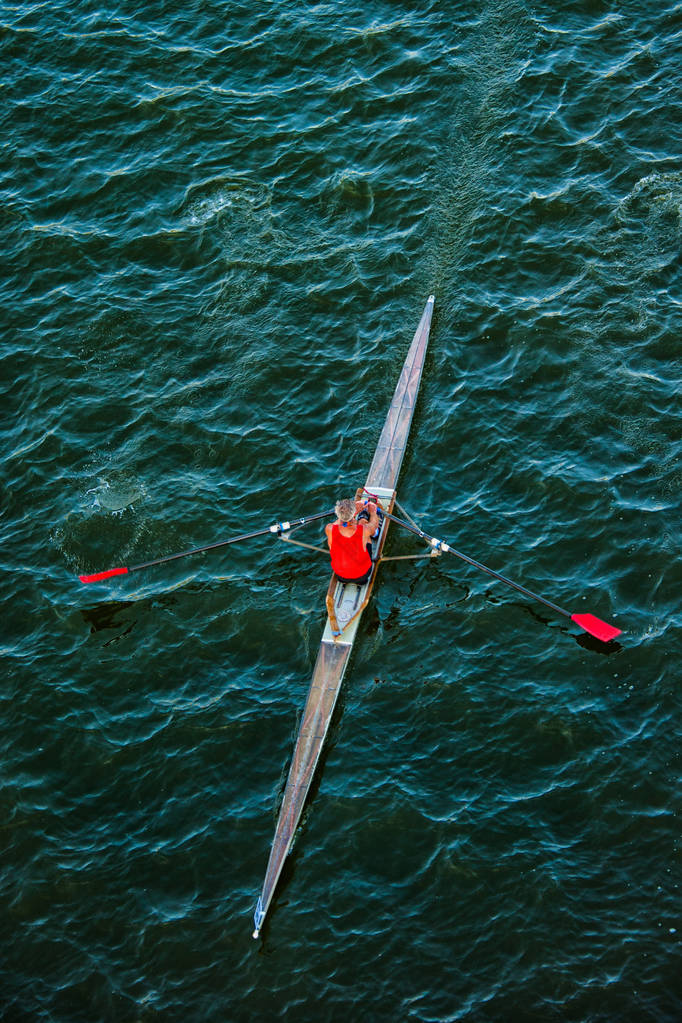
(277, 528)
(441, 545)
(196, 550)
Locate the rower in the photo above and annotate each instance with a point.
(350, 539)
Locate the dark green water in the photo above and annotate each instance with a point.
(220, 225)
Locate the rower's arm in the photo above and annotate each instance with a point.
(373, 523)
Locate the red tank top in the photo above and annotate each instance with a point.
(350, 559)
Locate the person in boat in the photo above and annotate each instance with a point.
(350, 539)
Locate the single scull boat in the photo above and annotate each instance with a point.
(345, 604)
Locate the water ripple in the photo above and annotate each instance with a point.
(220, 230)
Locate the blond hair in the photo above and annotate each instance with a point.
(345, 509)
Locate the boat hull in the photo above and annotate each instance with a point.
(346, 603)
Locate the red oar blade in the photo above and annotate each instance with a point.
(596, 627)
(98, 576)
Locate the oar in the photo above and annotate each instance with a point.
(590, 623)
(277, 527)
